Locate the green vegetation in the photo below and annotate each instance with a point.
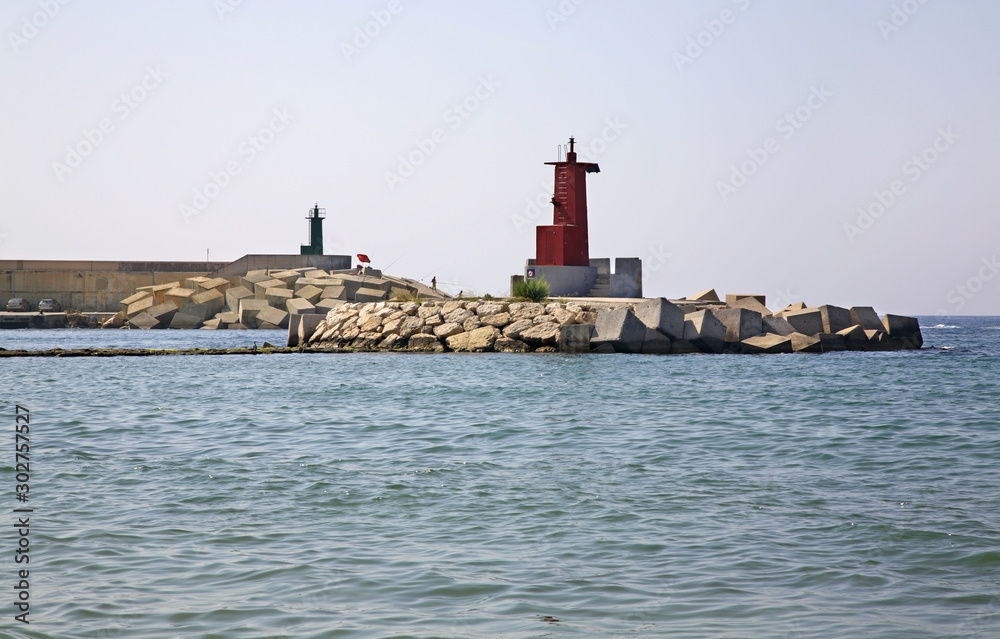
(536, 290)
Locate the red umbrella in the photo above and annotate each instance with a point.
(363, 258)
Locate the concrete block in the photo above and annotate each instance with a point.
(273, 316)
(732, 298)
(299, 306)
(832, 342)
(144, 320)
(769, 344)
(249, 308)
(139, 306)
(334, 293)
(260, 288)
(159, 291)
(603, 349)
(621, 329)
(656, 343)
(777, 325)
(315, 273)
(324, 306)
(310, 293)
(866, 317)
(278, 297)
(162, 313)
(213, 324)
(802, 343)
(575, 338)
(293, 330)
(855, 338)
(683, 347)
(751, 304)
(204, 305)
(228, 317)
(835, 318)
(137, 297)
(740, 323)
(704, 330)
(220, 284)
(251, 278)
(307, 325)
(234, 295)
(182, 320)
(661, 315)
(237, 327)
(178, 296)
(288, 277)
(904, 328)
(808, 321)
(194, 282)
(705, 296)
(370, 295)
(266, 326)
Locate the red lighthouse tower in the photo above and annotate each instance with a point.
(565, 242)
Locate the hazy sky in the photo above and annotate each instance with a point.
(836, 152)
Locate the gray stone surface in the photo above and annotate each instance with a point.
(260, 288)
(683, 347)
(425, 343)
(367, 294)
(769, 344)
(182, 320)
(306, 326)
(278, 297)
(299, 306)
(835, 318)
(273, 316)
(704, 330)
(508, 345)
(855, 338)
(234, 295)
(777, 325)
(144, 320)
(740, 323)
(832, 342)
(802, 343)
(249, 308)
(866, 317)
(621, 329)
(575, 338)
(480, 340)
(544, 334)
(656, 343)
(807, 321)
(661, 315)
(163, 313)
(310, 293)
(904, 328)
(204, 305)
(334, 292)
(178, 296)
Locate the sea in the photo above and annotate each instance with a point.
(500, 495)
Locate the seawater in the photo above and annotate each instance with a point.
(393, 495)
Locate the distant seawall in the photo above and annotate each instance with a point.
(99, 286)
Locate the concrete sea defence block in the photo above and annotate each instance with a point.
(228, 317)
(299, 306)
(769, 344)
(855, 338)
(802, 343)
(213, 324)
(751, 303)
(162, 313)
(832, 342)
(370, 295)
(204, 305)
(835, 318)
(621, 329)
(273, 316)
(306, 325)
(866, 317)
(661, 315)
(334, 293)
(310, 293)
(904, 328)
(220, 284)
(251, 278)
(808, 321)
(740, 323)
(260, 288)
(194, 282)
(732, 298)
(178, 296)
(139, 306)
(182, 320)
(705, 296)
(249, 308)
(278, 297)
(684, 347)
(234, 295)
(574, 338)
(144, 320)
(326, 305)
(777, 325)
(315, 273)
(704, 330)
(288, 277)
(656, 343)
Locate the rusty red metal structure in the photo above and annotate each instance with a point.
(565, 242)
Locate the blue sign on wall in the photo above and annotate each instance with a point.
(531, 273)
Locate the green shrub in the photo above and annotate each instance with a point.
(536, 290)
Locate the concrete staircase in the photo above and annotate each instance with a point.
(602, 287)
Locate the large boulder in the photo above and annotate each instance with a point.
(446, 330)
(661, 315)
(480, 340)
(704, 330)
(425, 343)
(542, 334)
(515, 329)
(740, 323)
(508, 345)
(619, 328)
